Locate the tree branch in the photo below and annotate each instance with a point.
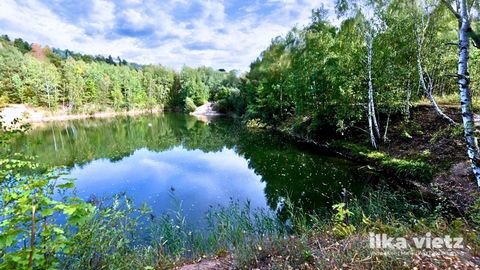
(470, 9)
(451, 9)
(474, 36)
(452, 44)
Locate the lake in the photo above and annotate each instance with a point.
(153, 157)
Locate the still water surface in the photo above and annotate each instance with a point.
(204, 165)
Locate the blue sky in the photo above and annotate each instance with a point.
(218, 33)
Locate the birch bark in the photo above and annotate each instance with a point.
(372, 117)
(420, 33)
(464, 89)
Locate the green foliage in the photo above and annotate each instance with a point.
(319, 72)
(411, 169)
(474, 213)
(76, 81)
(107, 239)
(417, 170)
(31, 236)
(110, 239)
(451, 132)
(341, 227)
(22, 45)
(10, 67)
(189, 105)
(193, 86)
(404, 168)
(229, 100)
(255, 123)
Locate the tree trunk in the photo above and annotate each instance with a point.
(427, 88)
(372, 117)
(465, 94)
(385, 138)
(370, 127)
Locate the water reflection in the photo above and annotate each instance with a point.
(198, 178)
(206, 164)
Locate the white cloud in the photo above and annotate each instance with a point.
(210, 36)
(135, 18)
(102, 17)
(133, 2)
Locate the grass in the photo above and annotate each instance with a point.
(256, 238)
(316, 244)
(413, 169)
(111, 239)
(450, 100)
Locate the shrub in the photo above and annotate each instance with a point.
(3, 101)
(189, 105)
(222, 106)
(474, 213)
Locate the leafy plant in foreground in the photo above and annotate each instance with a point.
(35, 220)
(31, 234)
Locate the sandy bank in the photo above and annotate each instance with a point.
(17, 114)
(206, 112)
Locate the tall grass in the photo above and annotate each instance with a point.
(121, 236)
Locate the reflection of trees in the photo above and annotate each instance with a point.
(305, 177)
(78, 142)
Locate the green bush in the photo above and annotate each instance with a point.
(3, 101)
(222, 106)
(189, 105)
(229, 100)
(474, 213)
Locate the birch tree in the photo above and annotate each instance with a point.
(465, 32)
(370, 11)
(422, 23)
(374, 131)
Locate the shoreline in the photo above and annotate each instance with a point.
(15, 115)
(68, 117)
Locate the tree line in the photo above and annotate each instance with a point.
(377, 62)
(382, 58)
(61, 79)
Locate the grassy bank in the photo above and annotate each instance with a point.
(423, 154)
(238, 237)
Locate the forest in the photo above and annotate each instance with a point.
(322, 77)
(390, 85)
(63, 80)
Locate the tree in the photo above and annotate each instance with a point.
(421, 26)
(5, 37)
(465, 31)
(193, 86)
(11, 61)
(372, 116)
(74, 83)
(371, 12)
(21, 45)
(110, 60)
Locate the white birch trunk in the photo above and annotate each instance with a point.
(372, 117)
(370, 127)
(385, 138)
(47, 86)
(465, 94)
(427, 88)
